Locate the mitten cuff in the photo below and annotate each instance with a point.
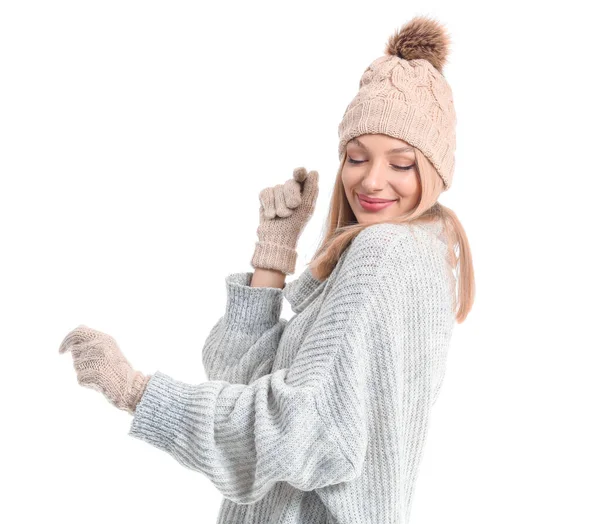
(136, 392)
(268, 255)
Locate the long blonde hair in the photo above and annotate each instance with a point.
(341, 227)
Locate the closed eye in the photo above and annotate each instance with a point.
(401, 168)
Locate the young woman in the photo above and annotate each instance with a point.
(323, 418)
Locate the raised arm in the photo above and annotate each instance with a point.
(242, 345)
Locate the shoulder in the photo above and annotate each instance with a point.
(397, 242)
(377, 249)
(381, 233)
(386, 245)
(399, 254)
(388, 249)
(375, 241)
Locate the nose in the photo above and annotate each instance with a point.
(374, 178)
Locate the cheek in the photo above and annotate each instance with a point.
(349, 180)
(407, 187)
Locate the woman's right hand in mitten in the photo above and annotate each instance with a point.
(285, 209)
(101, 365)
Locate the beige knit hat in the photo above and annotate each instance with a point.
(404, 94)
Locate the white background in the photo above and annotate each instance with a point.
(134, 140)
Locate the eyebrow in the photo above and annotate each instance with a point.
(395, 150)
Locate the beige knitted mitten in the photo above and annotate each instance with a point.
(101, 365)
(284, 212)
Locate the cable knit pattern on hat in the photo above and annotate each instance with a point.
(322, 418)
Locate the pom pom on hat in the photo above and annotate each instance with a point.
(420, 37)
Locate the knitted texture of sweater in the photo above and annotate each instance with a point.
(321, 419)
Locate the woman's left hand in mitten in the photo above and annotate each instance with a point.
(101, 365)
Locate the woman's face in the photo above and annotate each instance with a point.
(379, 166)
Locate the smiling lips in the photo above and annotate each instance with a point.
(374, 204)
(374, 200)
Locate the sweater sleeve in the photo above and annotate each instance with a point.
(306, 424)
(242, 344)
(298, 292)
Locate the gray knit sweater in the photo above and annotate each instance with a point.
(320, 419)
